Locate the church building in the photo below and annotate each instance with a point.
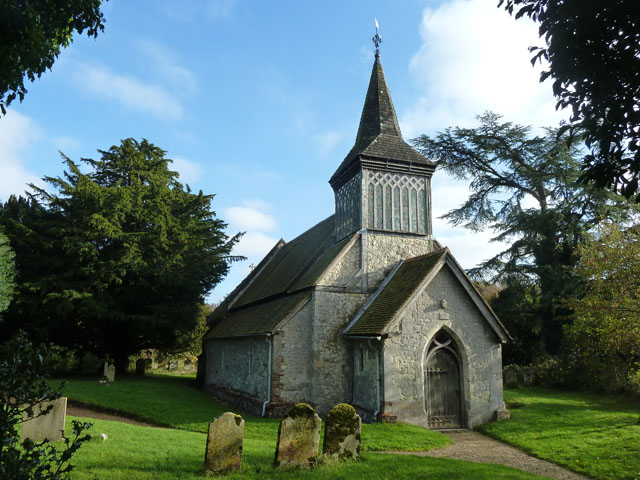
(365, 307)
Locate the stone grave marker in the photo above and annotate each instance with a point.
(141, 366)
(298, 437)
(110, 372)
(342, 432)
(45, 427)
(224, 444)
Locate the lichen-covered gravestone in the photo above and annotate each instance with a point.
(224, 444)
(49, 426)
(298, 437)
(110, 372)
(342, 432)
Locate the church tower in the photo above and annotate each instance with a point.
(383, 184)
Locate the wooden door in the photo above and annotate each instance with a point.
(442, 387)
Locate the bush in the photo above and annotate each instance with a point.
(22, 387)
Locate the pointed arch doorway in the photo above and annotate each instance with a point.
(443, 383)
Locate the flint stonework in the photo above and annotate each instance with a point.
(224, 444)
(50, 426)
(342, 432)
(298, 437)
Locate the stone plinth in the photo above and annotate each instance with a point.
(298, 437)
(224, 444)
(49, 426)
(342, 432)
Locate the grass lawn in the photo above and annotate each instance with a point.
(144, 453)
(592, 434)
(133, 452)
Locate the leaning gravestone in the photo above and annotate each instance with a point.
(110, 372)
(49, 426)
(298, 437)
(224, 444)
(141, 366)
(342, 432)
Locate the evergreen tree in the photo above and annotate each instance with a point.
(527, 190)
(7, 272)
(117, 259)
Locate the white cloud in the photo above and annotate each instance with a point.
(167, 64)
(250, 216)
(254, 245)
(130, 92)
(18, 133)
(474, 58)
(190, 172)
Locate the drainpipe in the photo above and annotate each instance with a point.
(375, 414)
(264, 405)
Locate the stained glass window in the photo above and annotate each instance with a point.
(370, 204)
(379, 208)
(422, 214)
(396, 208)
(405, 210)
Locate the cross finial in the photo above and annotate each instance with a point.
(377, 39)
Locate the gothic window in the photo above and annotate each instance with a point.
(388, 213)
(371, 206)
(422, 214)
(414, 210)
(405, 210)
(379, 208)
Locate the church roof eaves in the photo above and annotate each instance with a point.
(376, 317)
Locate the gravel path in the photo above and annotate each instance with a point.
(475, 447)
(77, 411)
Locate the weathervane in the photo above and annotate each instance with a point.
(377, 39)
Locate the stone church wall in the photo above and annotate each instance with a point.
(346, 267)
(292, 359)
(477, 343)
(384, 250)
(237, 370)
(367, 394)
(332, 354)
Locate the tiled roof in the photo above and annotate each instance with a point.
(379, 134)
(394, 294)
(278, 284)
(261, 318)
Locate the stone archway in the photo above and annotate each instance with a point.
(443, 383)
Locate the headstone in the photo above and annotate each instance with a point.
(224, 444)
(342, 432)
(141, 366)
(49, 426)
(110, 372)
(298, 437)
(510, 377)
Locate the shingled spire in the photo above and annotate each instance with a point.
(379, 138)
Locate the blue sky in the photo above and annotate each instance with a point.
(259, 102)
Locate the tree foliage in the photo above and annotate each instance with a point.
(118, 259)
(527, 190)
(32, 34)
(605, 336)
(593, 52)
(22, 387)
(7, 272)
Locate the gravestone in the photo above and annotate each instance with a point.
(45, 427)
(141, 366)
(342, 432)
(224, 444)
(510, 376)
(110, 372)
(298, 437)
